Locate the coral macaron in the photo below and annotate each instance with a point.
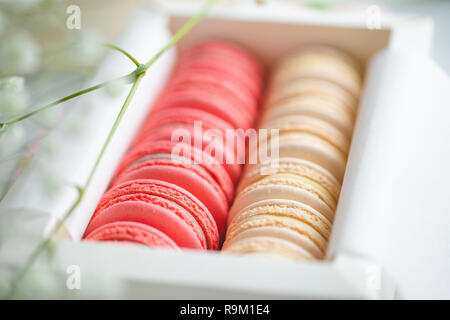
(211, 99)
(181, 151)
(237, 94)
(250, 81)
(230, 49)
(126, 231)
(187, 176)
(163, 206)
(184, 115)
(212, 142)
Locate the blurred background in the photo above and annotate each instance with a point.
(44, 56)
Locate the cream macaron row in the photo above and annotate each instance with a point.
(288, 210)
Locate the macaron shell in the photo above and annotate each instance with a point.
(269, 245)
(279, 191)
(252, 81)
(214, 88)
(211, 141)
(216, 170)
(183, 115)
(237, 52)
(188, 177)
(232, 55)
(321, 108)
(211, 101)
(298, 181)
(321, 67)
(236, 61)
(242, 77)
(153, 215)
(272, 231)
(304, 235)
(132, 232)
(314, 149)
(312, 87)
(164, 195)
(295, 166)
(313, 126)
(243, 96)
(340, 53)
(287, 208)
(337, 62)
(252, 91)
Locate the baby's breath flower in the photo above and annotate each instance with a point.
(19, 54)
(3, 21)
(12, 96)
(84, 48)
(50, 144)
(12, 140)
(52, 184)
(20, 5)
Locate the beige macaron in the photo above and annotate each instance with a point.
(323, 63)
(276, 208)
(311, 87)
(339, 53)
(311, 125)
(268, 246)
(295, 166)
(321, 107)
(310, 147)
(289, 187)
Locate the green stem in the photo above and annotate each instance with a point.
(113, 130)
(183, 31)
(113, 46)
(127, 78)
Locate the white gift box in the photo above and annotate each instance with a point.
(392, 216)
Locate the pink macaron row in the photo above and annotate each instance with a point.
(175, 193)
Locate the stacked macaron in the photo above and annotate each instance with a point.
(174, 187)
(287, 209)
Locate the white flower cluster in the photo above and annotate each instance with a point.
(37, 52)
(19, 54)
(12, 97)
